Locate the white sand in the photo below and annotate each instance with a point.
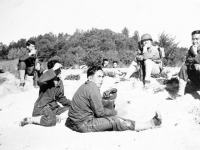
(180, 129)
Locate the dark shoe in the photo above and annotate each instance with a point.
(156, 120)
(24, 122)
(21, 84)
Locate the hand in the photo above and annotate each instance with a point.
(37, 66)
(140, 57)
(32, 52)
(194, 49)
(57, 66)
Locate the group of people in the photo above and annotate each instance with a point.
(87, 112)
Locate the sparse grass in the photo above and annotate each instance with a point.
(10, 66)
(72, 77)
(2, 80)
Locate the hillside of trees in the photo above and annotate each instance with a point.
(90, 47)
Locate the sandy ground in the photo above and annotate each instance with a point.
(180, 129)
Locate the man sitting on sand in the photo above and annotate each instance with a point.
(87, 113)
(149, 59)
(190, 71)
(47, 111)
(26, 64)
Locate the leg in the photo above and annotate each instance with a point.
(150, 68)
(115, 123)
(47, 118)
(22, 68)
(132, 69)
(183, 73)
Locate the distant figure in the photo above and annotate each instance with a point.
(115, 64)
(47, 112)
(87, 113)
(190, 71)
(105, 63)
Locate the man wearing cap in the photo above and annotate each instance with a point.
(149, 59)
(190, 71)
(47, 111)
(88, 113)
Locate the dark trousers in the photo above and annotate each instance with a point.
(113, 123)
(48, 118)
(191, 72)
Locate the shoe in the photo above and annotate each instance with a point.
(156, 120)
(146, 84)
(24, 122)
(21, 84)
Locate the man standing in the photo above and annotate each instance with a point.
(87, 113)
(47, 111)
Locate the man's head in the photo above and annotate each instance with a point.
(105, 62)
(196, 38)
(115, 64)
(95, 74)
(51, 64)
(146, 40)
(30, 44)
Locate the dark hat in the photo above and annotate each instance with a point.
(55, 58)
(110, 94)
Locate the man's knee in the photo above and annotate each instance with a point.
(22, 65)
(49, 118)
(48, 122)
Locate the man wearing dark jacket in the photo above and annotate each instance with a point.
(47, 111)
(87, 113)
(190, 71)
(26, 64)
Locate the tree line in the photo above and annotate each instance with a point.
(91, 46)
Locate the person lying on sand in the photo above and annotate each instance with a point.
(47, 111)
(87, 113)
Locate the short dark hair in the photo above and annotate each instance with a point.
(196, 32)
(105, 59)
(115, 61)
(51, 64)
(29, 42)
(91, 71)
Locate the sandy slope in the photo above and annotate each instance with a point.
(180, 128)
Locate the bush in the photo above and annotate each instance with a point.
(2, 80)
(72, 77)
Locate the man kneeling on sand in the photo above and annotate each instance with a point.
(87, 113)
(47, 112)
